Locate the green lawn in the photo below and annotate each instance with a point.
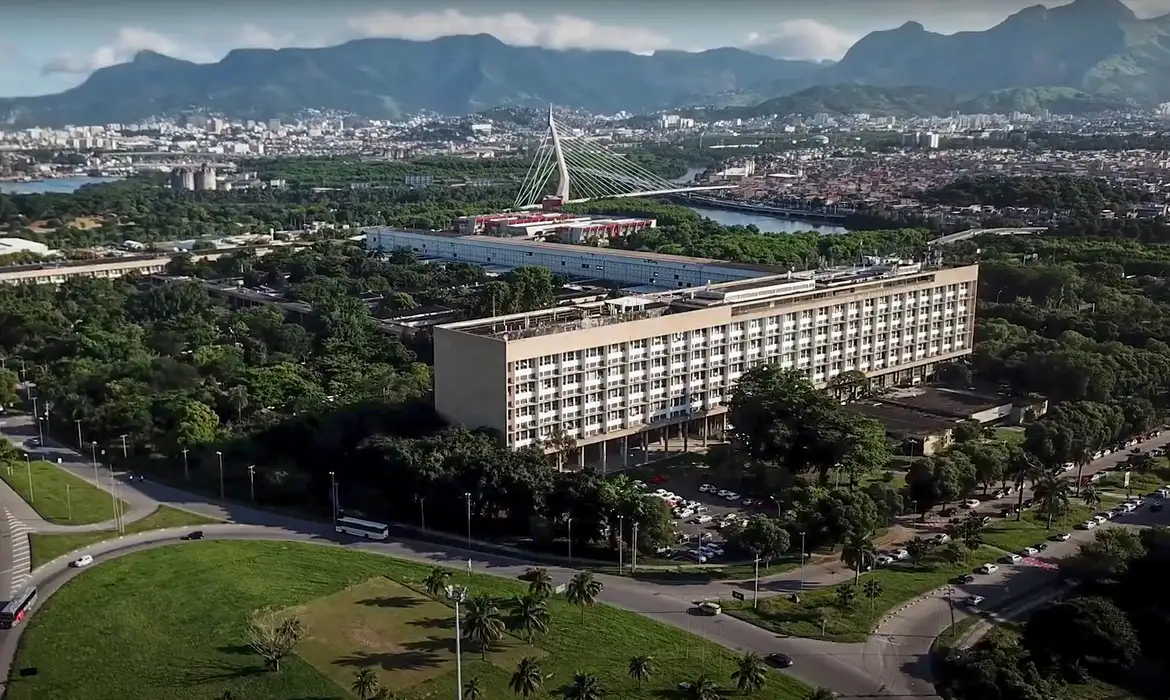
(1010, 436)
(58, 496)
(48, 546)
(169, 623)
(900, 583)
(947, 639)
(1032, 528)
(1140, 483)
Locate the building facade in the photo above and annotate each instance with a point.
(605, 372)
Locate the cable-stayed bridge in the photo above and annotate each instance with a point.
(586, 170)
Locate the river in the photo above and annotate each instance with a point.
(764, 222)
(60, 185)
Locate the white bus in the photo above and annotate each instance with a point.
(362, 528)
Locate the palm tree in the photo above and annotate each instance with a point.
(640, 669)
(583, 591)
(750, 673)
(436, 582)
(1054, 502)
(529, 616)
(704, 688)
(821, 694)
(541, 583)
(482, 623)
(858, 552)
(872, 590)
(1091, 496)
(473, 689)
(583, 687)
(1026, 469)
(846, 594)
(365, 684)
(527, 679)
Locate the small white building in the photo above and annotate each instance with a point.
(8, 246)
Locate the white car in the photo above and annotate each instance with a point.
(1029, 551)
(722, 493)
(708, 607)
(883, 560)
(703, 519)
(975, 601)
(732, 496)
(971, 503)
(1087, 525)
(1012, 559)
(1062, 537)
(82, 561)
(900, 554)
(988, 569)
(706, 488)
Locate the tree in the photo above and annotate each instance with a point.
(273, 635)
(436, 582)
(919, 549)
(952, 552)
(703, 688)
(1054, 493)
(763, 536)
(873, 590)
(641, 667)
(1091, 496)
(583, 591)
(365, 684)
(583, 687)
(750, 674)
(1108, 556)
(540, 583)
(473, 689)
(527, 680)
(482, 623)
(970, 531)
(1076, 636)
(821, 694)
(9, 388)
(858, 552)
(560, 445)
(846, 594)
(529, 616)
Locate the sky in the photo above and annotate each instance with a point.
(47, 46)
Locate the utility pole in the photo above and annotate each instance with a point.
(467, 497)
(621, 531)
(756, 587)
(333, 496)
(252, 481)
(78, 422)
(457, 594)
(93, 448)
(634, 549)
(221, 489)
(186, 470)
(802, 561)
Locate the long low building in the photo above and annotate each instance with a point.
(625, 267)
(113, 267)
(604, 372)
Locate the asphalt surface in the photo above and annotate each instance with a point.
(893, 663)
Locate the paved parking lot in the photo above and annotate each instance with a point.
(686, 483)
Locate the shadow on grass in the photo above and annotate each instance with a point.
(208, 672)
(237, 650)
(397, 601)
(434, 623)
(412, 659)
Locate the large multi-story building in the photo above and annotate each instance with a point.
(604, 372)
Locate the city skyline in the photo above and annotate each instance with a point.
(51, 46)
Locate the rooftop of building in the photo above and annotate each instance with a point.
(953, 403)
(900, 421)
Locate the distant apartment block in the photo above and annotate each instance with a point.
(644, 366)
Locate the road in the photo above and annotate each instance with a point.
(893, 663)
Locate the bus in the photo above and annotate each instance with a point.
(362, 528)
(17, 609)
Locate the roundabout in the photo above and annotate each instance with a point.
(161, 617)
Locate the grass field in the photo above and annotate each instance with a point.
(48, 546)
(1139, 483)
(58, 496)
(169, 623)
(1032, 528)
(900, 583)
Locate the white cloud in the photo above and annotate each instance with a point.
(801, 39)
(129, 41)
(252, 36)
(561, 32)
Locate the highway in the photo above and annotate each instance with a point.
(894, 662)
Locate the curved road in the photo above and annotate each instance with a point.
(893, 663)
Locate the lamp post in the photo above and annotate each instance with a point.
(186, 469)
(756, 586)
(802, 561)
(457, 595)
(252, 481)
(79, 441)
(93, 449)
(467, 497)
(422, 511)
(570, 522)
(125, 452)
(114, 502)
(779, 514)
(28, 465)
(333, 496)
(634, 549)
(221, 490)
(621, 531)
(40, 425)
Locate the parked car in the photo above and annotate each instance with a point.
(1061, 537)
(1029, 551)
(987, 569)
(1012, 559)
(971, 503)
(963, 579)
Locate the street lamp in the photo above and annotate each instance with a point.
(422, 511)
(333, 496)
(756, 586)
(79, 441)
(125, 452)
(221, 491)
(93, 448)
(570, 522)
(252, 481)
(779, 514)
(28, 465)
(457, 595)
(40, 426)
(634, 549)
(621, 531)
(467, 497)
(186, 470)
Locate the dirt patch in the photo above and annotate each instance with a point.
(895, 536)
(84, 223)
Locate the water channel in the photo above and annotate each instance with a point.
(764, 222)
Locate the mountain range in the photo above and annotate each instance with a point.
(1084, 55)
